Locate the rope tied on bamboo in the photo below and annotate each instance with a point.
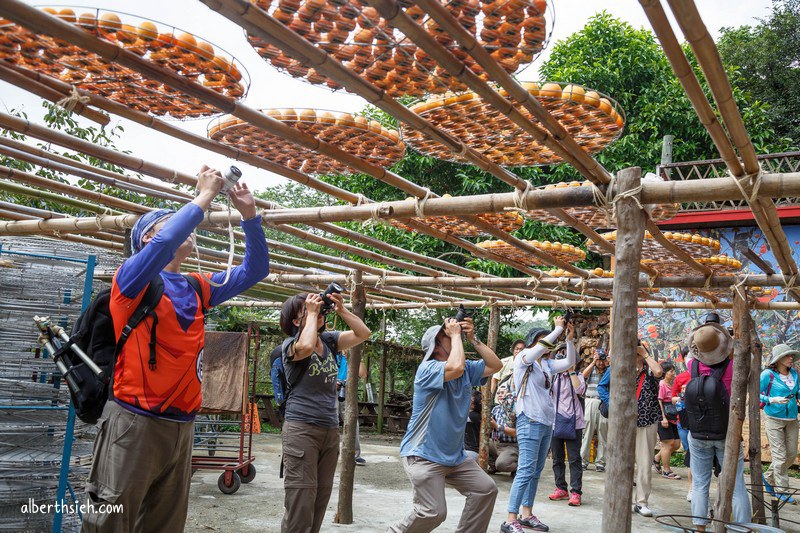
(737, 287)
(74, 98)
(419, 205)
(603, 199)
(584, 298)
(707, 284)
(535, 282)
(520, 195)
(350, 282)
(651, 280)
(374, 215)
(749, 178)
(381, 281)
(789, 285)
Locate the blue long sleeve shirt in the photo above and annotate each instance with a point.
(140, 269)
(602, 387)
(779, 389)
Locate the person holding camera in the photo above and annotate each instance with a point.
(507, 371)
(594, 421)
(533, 377)
(503, 449)
(432, 450)
(341, 385)
(779, 395)
(311, 426)
(143, 450)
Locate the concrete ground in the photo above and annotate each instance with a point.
(382, 495)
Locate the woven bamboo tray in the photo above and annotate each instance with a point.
(595, 217)
(720, 264)
(507, 221)
(167, 46)
(513, 31)
(694, 244)
(563, 252)
(591, 118)
(355, 134)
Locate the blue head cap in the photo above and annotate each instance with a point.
(145, 224)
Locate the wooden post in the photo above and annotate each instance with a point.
(486, 391)
(754, 414)
(666, 152)
(382, 386)
(741, 373)
(344, 513)
(622, 411)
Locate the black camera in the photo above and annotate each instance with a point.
(462, 314)
(567, 317)
(327, 303)
(341, 390)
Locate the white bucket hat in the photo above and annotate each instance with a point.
(779, 351)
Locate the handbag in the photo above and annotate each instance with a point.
(671, 412)
(565, 425)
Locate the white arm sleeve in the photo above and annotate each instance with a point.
(560, 365)
(532, 354)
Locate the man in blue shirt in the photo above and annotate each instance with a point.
(432, 449)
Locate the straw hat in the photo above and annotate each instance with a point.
(779, 351)
(710, 343)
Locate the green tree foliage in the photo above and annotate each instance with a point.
(767, 62)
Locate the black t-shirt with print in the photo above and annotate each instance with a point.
(648, 411)
(313, 396)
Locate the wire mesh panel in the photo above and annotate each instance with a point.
(33, 411)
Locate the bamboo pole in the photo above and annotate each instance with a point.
(344, 513)
(486, 392)
(46, 93)
(738, 407)
(710, 62)
(622, 409)
(229, 151)
(754, 420)
(382, 384)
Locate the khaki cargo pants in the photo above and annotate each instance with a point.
(310, 454)
(144, 464)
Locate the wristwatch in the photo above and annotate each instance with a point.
(573, 373)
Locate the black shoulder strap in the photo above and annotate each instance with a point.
(147, 305)
(195, 284)
(719, 370)
(695, 368)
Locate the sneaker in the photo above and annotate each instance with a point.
(643, 510)
(689, 495)
(533, 523)
(574, 500)
(657, 466)
(768, 487)
(492, 469)
(511, 527)
(669, 474)
(600, 468)
(559, 494)
(360, 461)
(585, 466)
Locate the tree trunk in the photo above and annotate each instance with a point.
(486, 391)
(382, 386)
(754, 449)
(622, 411)
(344, 513)
(741, 373)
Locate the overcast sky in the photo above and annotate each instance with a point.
(270, 88)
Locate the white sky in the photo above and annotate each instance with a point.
(270, 88)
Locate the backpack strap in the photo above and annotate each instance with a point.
(195, 284)
(771, 379)
(720, 370)
(147, 305)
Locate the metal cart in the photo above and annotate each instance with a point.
(224, 441)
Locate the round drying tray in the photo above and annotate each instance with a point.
(593, 119)
(593, 216)
(513, 31)
(355, 134)
(563, 252)
(694, 244)
(163, 45)
(507, 221)
(719, 264)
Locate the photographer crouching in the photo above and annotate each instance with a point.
(311, 426)
(432, 449)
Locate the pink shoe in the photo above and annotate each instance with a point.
(559, 494)
(575, 499)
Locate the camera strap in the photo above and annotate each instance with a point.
(231, 252)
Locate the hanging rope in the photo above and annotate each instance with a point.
(630, 193)
(381, 282)
(419, 205)
(737, 288)
(749, 179)
(789, 285)
(74, 98)
(602, 200)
